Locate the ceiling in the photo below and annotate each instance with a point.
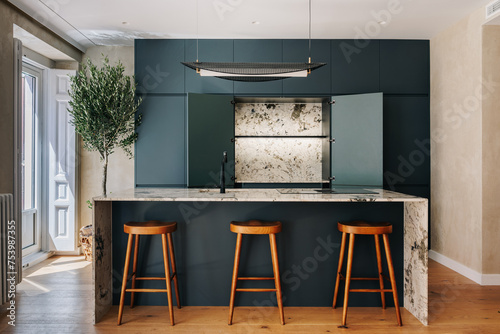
(118, 22)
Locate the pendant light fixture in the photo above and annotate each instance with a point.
(253, 72)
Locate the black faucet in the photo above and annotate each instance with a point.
(222, 173)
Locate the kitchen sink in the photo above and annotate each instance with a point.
(217, 190)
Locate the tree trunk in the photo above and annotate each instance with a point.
(104, 175)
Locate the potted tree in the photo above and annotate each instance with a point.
(104, 108)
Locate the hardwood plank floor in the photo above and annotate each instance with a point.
(55, 297)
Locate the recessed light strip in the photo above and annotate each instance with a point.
(62, 18)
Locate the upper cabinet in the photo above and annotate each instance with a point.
(355, 66)
(158, 67)
(209, 50)
(258, 51)
(319, 81)
(404, 67)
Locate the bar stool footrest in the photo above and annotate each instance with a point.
(255, 290)
(255, 278)
(370, 290)
(365, 278)
(146, 290)
(150, 278)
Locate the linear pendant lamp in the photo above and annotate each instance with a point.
(254, 72)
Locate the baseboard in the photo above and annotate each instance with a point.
(77, 251)
(490, 279)
(483, 279)
(32, 259)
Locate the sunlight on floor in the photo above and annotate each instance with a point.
(68, 264)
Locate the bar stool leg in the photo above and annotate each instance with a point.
(124, 282)
(339, 269)
(134, 269)
(379, 264)
(277, 280)
(392, 277)
(348, 278)
(235, 276)
(174, 268)
(167, 278)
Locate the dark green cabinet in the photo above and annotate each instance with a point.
(160, 158)
(210, 132)
(258, 50)
(319, 81)
(355, 66)
(404, 67)
(209, 50)
(406, 140)
(398, 68)
(357, 141)
(158, 67)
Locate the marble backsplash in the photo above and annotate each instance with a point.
(274, 159)
(278, 119)
(278, 160)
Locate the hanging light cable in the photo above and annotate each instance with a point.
(253, 72)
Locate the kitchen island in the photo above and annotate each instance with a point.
(307, 247)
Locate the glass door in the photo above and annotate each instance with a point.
(30, 153)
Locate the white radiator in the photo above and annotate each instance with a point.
(7, 224)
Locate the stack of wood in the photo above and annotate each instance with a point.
(86, 241)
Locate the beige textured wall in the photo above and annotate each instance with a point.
(491, 150)
(120, 168)
(456, 134)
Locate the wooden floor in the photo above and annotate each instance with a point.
(55, 297)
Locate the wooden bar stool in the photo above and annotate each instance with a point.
(256, 227)
(375, 229)
(152, 227)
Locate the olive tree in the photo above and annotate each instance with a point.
(104, 106)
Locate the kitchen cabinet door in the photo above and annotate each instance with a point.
(406, 140)
(319, 81)
(158, 67)
(210, 132)
(258, 51)
(160, 150)
(356, 124)
(404, 67)
(210, 50)
(355, 66)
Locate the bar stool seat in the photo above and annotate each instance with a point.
(152, 227)
(365, 228)
(256, 227)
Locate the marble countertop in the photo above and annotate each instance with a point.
(253, 195)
